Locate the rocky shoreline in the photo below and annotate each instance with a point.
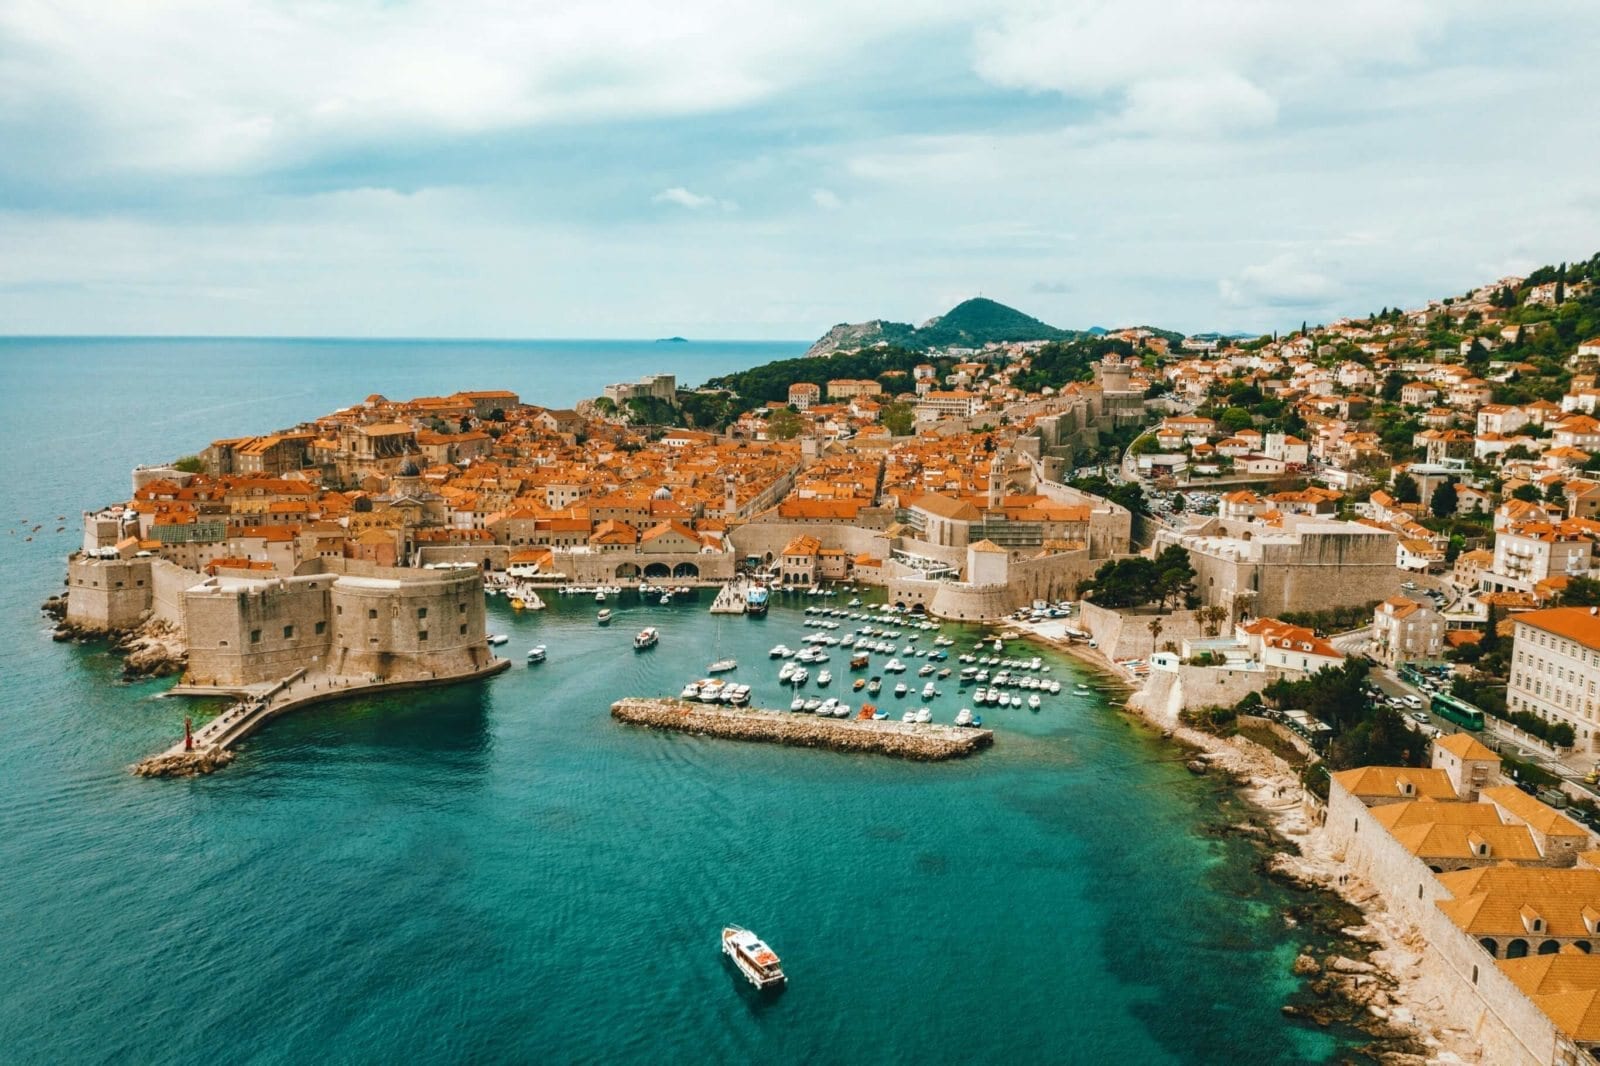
(153, 648)
(919, 742)
(1365, 970)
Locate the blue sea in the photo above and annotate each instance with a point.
(501, 873)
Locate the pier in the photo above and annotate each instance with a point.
(210, 747)
(927, 742)
(730, 598)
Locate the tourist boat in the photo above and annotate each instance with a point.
(648, 637)
(691, 691)
(1034, 702)
(755, 600)
(536, 653)
(859, 661)
(900, 689)
(964, 716)
(604, 616)
(824, 677)
(754, 959)
(499, 639)
(875, 686)
(928, 691)
(722, 666)
(924, 716)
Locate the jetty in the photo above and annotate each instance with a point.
(210, 747)
(730, 599)
(905, 740)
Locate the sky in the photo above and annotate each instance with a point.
(767, 168)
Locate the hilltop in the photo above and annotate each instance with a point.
(970, 324)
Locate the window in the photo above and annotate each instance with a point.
(463, 629)
(422, 612)
(461, 608)
(255, 636)
(422, 634)
(372, 612)
(321, 628)
(288, 631)
(339, 609)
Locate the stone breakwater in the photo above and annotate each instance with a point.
(900, 739)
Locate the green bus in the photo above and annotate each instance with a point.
(1458, 711)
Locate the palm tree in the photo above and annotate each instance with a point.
(1155, 632)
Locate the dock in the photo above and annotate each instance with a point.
(730, 599)
(905, 740)
(211, 746)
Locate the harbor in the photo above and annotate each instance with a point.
(906, 740)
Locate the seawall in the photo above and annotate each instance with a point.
(900, 739)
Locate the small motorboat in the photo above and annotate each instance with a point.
(875, 686)
(909, 716)
(498, 639)
(860, 683)
(964, 716)
(786, 671)
(691, 691)
(824, 677)
(928, 691)
(1033, 702)
(812, 704)
(722, 666)
(799, 676)
(900, 689)
(841, 710)
(942, 674)
(604, 616)
(781, 651)
(797, 704)
(599, 596)
(666, 599)
(536, 653)
(924, 716)
(925, 669)
(648, 637)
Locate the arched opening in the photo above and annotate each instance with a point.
(658, 570)
(1517, 949)
(899, 605)
(488, 563)
(1549, 947)
(1490, 944)
(768, 558)
(688, 570)
(627, 571)
(1581, 945)
(1436, 869)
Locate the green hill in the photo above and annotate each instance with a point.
(970, 324)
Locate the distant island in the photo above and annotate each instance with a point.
(672, 340)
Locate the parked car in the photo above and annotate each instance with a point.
(1418, 716)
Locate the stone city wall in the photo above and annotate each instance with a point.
(107, 594)
(1126, 634)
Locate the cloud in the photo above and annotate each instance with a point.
(691, 200)
(1283, 282)
(1050, 288)
(826, 199)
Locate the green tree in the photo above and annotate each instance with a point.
(784, 424)
(1527, 492)
(1581, 592)
(1235, 419)
(898, 419)
(190, 464)
(1175, 576)
(1445, 499)
(1405, 489)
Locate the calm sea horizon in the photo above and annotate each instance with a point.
(499, 872)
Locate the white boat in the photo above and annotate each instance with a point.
(691, 691)
(599, 596)
(829, 705)
(812, 705)
(968, 673)
(722, 666)
(964, 716)
(781, 651)
(536, 653)
(648, 637)
(797, 704)
(894, 666)
(666, 598)
(498, 639)
(786, 671)
(841, 710)
(980, 696)
(1034, 702)
(824, 677)
(900, 689)
(856, 602)
(603, 616)
(754, 959)
(924, 715)
(1055, 688)
(928, 691)
(799, 676)
(710, 691)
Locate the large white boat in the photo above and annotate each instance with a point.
(722, 666)
(536, 653)
(648, 637)
(603, 616)
(498, 639)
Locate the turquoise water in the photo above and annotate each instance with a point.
(501, 873)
